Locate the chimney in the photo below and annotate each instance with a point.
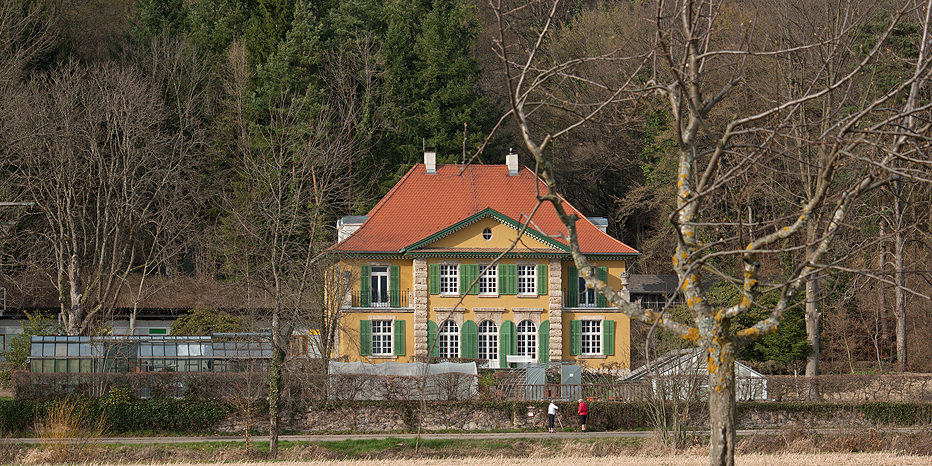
(600, 222)
(430, 160)
(348, 225)
(512, 161)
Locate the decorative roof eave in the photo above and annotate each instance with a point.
(488, 212)
(487, 255)
(481, 255)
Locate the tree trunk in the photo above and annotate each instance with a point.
(813, 321)
(275, 385)
(882, 297)
(73, 311)
(722, 406)
(900, 278)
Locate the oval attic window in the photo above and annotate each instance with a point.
(487, 234)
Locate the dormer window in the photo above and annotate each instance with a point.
(487, 234)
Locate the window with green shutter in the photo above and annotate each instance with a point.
(608, 337)
(601, 274)
(469, 335)
(433, 278)
(468, 274)
(365, 337)
(575, 337)
(432, 344)
(508, 279)
(544, 339)
(572, 285)
(542, 279)
(506, 343)
(399, 337)
(364, 286)
(394, 281)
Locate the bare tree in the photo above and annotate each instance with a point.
(700, 61)
(107, 180)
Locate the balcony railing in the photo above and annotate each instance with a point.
(376, 299)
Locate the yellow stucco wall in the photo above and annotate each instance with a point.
(514, 307)
(471, 237)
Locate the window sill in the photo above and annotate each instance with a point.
(592, 356)
(528, 295)
(386, 356)
(489, 295)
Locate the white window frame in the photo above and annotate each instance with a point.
(449, 339)
(526, 338)
(449, 279)
(488, 342)
(587, 296)
(378, 279)
(488, 280)
(381, 340)
(590, 337)
(527, 281)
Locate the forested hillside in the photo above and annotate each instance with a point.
(220, 140)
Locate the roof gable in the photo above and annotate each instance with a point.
(468, 233)
(421, 207)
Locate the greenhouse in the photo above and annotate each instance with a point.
(153, 353)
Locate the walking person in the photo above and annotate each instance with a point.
(583, 411)
(551, 415)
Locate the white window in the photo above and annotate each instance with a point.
(378, 286)
(586, 295)
(488, 279)
(527, 339)
(488, 342)
(591, 335)
(449, 279)
(449, 340)
(382, 338)
(527, 279)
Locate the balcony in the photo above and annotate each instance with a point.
(379, 300)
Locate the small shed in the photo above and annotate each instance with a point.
(682, 373)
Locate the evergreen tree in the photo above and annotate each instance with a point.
(432, 79)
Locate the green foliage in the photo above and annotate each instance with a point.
(20, 345)
(207, 321)
(787, 347)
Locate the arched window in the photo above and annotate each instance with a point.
(449, 340)
(527, 339)
(488, 342)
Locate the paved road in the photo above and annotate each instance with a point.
(462, 435)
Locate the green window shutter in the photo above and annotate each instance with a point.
(506, 343)
(507, 279)
(470, 340)
(432, 344)
(433, 278)
(399, 337)
(394, 279)
(601, 274)
(608, 337)
(365, 338)
(542, 279)
(544, 339)
(468, 274)
(572, 288)
(575, 337)
(364, 286)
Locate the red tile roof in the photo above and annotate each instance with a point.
(423, 204)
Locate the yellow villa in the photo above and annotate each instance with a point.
(440, 230)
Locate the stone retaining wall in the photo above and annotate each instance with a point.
(398, 417)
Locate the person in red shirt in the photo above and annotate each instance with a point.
(583, 413)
